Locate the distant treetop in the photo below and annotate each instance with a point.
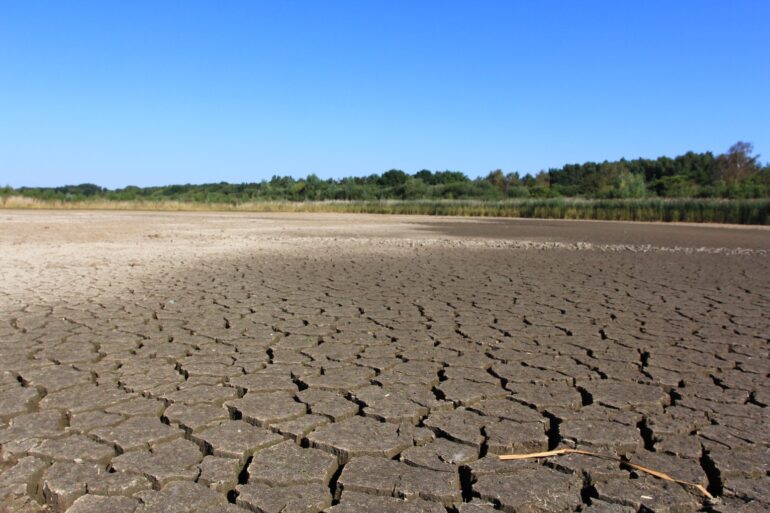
(734, 174)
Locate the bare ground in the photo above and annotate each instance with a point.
(230, 362)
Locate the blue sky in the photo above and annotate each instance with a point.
(163, 91)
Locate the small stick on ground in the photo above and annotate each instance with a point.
(655, 473)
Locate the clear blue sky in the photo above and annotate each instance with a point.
(159, 92)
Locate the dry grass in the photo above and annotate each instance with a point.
(21, 202)
(695, 210)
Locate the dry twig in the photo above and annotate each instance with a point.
(655, 473)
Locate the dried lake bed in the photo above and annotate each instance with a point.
(322, 362)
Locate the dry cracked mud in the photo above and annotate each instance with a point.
(342, 363)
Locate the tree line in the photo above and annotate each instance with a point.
(734, 174)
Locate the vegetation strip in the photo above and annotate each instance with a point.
(695, 187)
(691, 210)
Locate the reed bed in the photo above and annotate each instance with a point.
(693, 210)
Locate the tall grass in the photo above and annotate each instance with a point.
(694, 210)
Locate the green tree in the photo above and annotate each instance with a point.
(677, 186)
(441, 177)
(413, 188)
(393, 178)
(425, 175)
(497, 179)
(630, 185)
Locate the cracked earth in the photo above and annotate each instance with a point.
(343, 363)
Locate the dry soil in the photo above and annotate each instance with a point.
(346, 363)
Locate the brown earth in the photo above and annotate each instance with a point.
(302, 363)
